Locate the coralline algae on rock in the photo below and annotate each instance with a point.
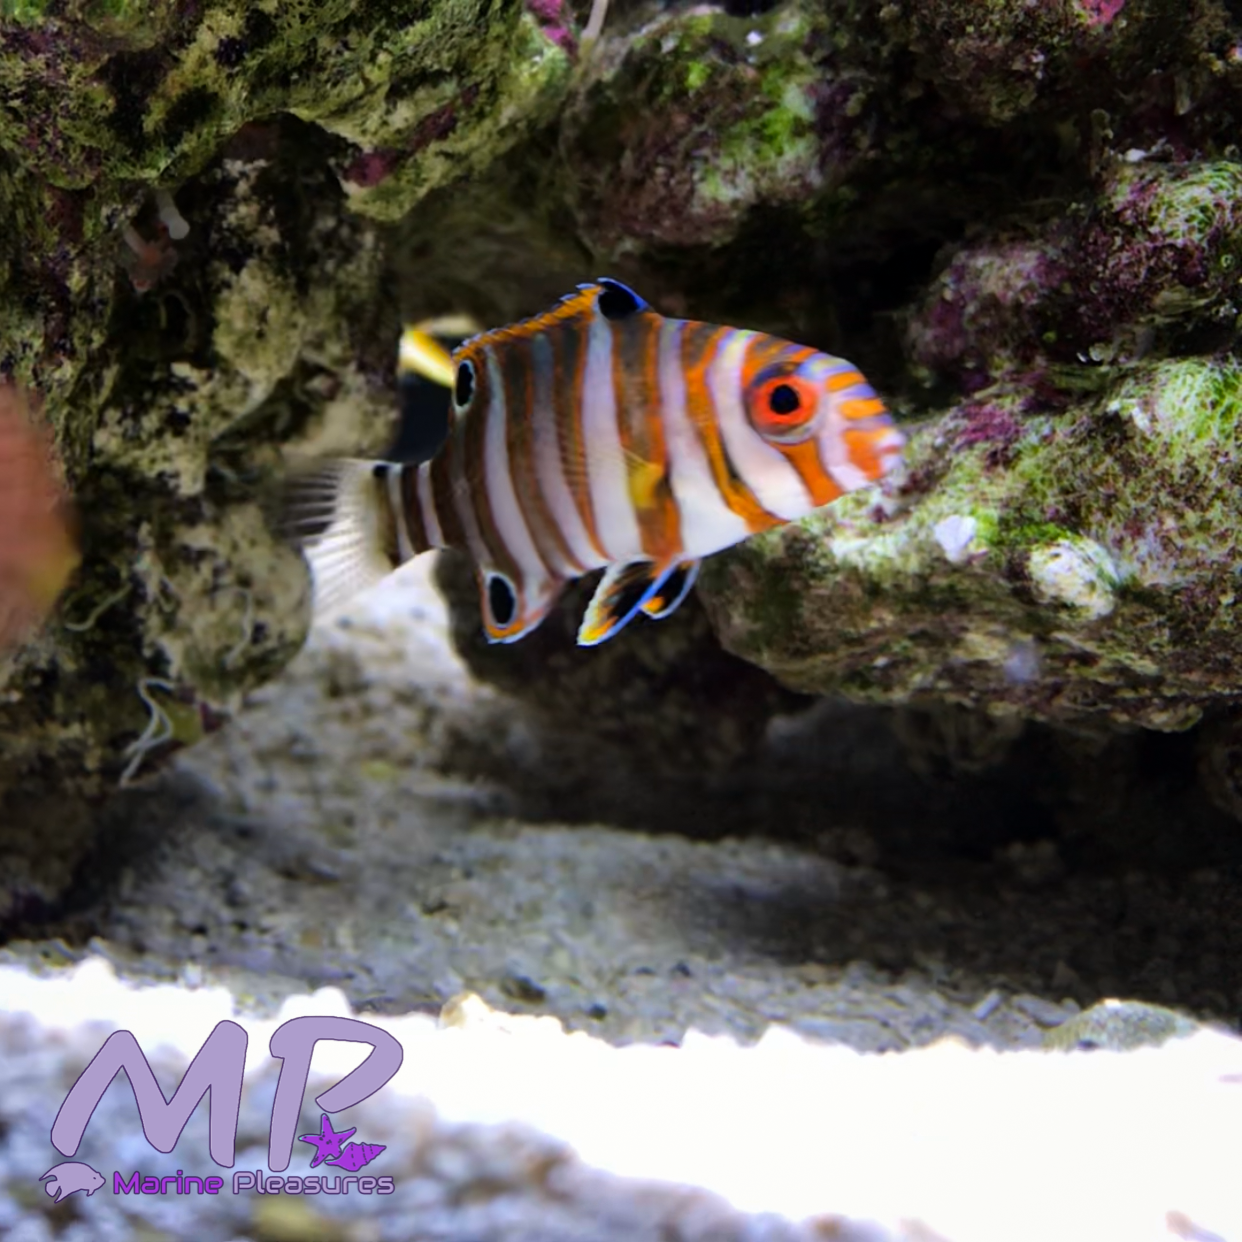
(1103, 547)
(1158, 252)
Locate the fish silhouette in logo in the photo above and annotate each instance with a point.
(69, 1178)
(356, 1156)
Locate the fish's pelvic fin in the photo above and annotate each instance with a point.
(676, 586)
(620, 596)
(512, 609)
(339, 516)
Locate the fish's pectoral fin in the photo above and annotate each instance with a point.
(618, 599)
(512, 608)
(676, 586)
(644, 479)
(334, 513)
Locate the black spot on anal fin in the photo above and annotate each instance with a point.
(501, 600)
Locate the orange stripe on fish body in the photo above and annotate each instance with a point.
(600, 434)
(636, 379)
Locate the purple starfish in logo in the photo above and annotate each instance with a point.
(327, 1142)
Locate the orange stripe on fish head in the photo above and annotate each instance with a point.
(786, 403)
(822, 415)
(699, 343)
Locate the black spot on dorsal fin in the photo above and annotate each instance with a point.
(617, 301)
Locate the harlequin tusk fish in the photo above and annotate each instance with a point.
(601, 435)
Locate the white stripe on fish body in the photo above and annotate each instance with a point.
(776, 484)
(707, 522)
(405, 545)
(463, 497)
(549, 465)
(607, 475)
(507, 516)
(427, 505)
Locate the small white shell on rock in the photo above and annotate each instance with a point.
(1075, 571)
(955, 534)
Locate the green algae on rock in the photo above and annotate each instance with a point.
(263, 328)
(1060, 566)
(682, 128)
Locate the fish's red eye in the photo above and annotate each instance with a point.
(783, 408)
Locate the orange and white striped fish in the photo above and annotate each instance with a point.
(602, 435)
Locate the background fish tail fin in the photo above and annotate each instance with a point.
(341, 516)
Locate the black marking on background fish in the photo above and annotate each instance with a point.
(425, 419)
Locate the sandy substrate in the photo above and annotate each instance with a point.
(501, 1127)
(379, 824)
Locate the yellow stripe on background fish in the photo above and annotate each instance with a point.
(38, 547)
(599, 435)
(421, 353)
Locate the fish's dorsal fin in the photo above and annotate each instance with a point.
(610, 297)
(675, 587)
(620, 596)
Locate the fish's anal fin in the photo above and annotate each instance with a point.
(334, 513)
(511, 610)
(620, 596)
(675, 587)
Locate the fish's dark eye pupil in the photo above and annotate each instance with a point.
(463, 389)
(501, 600)
(783, 399)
